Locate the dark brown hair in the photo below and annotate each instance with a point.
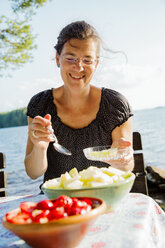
(77, 30)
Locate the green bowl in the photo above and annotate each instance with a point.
(112, 194)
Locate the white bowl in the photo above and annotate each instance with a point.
(106, 153)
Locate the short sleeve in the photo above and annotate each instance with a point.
(39, 104)
(117, 109)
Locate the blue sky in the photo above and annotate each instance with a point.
(133, 26)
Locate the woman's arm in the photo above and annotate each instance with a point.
(125, 131)
(36, 149)
(122, 138)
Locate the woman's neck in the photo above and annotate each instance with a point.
(76, 99)
(77, 110)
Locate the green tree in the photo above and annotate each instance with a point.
(26, 4)
(16, 37)
(13, 118)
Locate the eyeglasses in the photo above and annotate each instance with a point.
(73, 60)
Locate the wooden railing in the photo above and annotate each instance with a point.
(140, 184)
(3, 177)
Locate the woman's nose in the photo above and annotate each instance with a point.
(79, 65)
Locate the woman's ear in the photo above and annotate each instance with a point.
(57, 60)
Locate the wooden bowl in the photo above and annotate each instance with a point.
(62, 233)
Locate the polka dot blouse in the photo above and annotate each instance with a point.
(113, 111)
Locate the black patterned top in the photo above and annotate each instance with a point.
(113, 111)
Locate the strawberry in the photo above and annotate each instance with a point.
(40, 216)
(79, 203)
(22, 218)
(63, 201)
(27, 207)
(88, 201)
(10, 215)
(76, 211)
(45, 204)
(79, 207)
(57, 213)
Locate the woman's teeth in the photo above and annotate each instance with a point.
(76, 77)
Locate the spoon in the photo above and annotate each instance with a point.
(57, 146)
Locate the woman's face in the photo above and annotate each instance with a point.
(78, 61)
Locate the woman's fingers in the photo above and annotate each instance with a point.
(42, 121)
(39, 123)
(47, 117)
(38, 129)
(49, 127)
(121, 143)
(125, 158)
(124, 143)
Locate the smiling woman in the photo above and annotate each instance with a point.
(80, 114)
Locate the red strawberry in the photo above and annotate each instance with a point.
(76, 211)
(10, 215)
(27, 207)
(22, 218)
(40, 216)
(57, 213)
(79, 207)
(63, 201)
(45, 204)
(88, 201)
(79, 203)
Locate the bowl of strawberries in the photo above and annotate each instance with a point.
(54, 223)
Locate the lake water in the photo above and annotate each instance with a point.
(150, 123)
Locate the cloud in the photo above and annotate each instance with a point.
(23, 92)
(142, 85)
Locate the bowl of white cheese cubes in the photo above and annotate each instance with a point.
(109, 184)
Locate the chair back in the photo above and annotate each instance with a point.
(140, 184)
(3, 178)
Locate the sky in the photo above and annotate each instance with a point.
(135, 27)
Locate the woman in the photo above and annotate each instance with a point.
(80, 114)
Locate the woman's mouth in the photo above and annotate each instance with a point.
(76, 77)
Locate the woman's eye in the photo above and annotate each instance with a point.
(70, 60)
(87, 61)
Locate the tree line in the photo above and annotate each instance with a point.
(13, 118)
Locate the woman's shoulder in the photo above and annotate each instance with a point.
(114, 97)
(39, 102)
(112, 93)
(41, 95)
(115, 101)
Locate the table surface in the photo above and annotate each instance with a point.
(138, 222)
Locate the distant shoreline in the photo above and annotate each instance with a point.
(13, 118)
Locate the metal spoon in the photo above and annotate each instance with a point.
(57, 146)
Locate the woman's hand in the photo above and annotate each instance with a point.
(38, 141)
(126, 162)
(38, 132)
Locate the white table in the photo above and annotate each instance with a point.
(138, 222)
